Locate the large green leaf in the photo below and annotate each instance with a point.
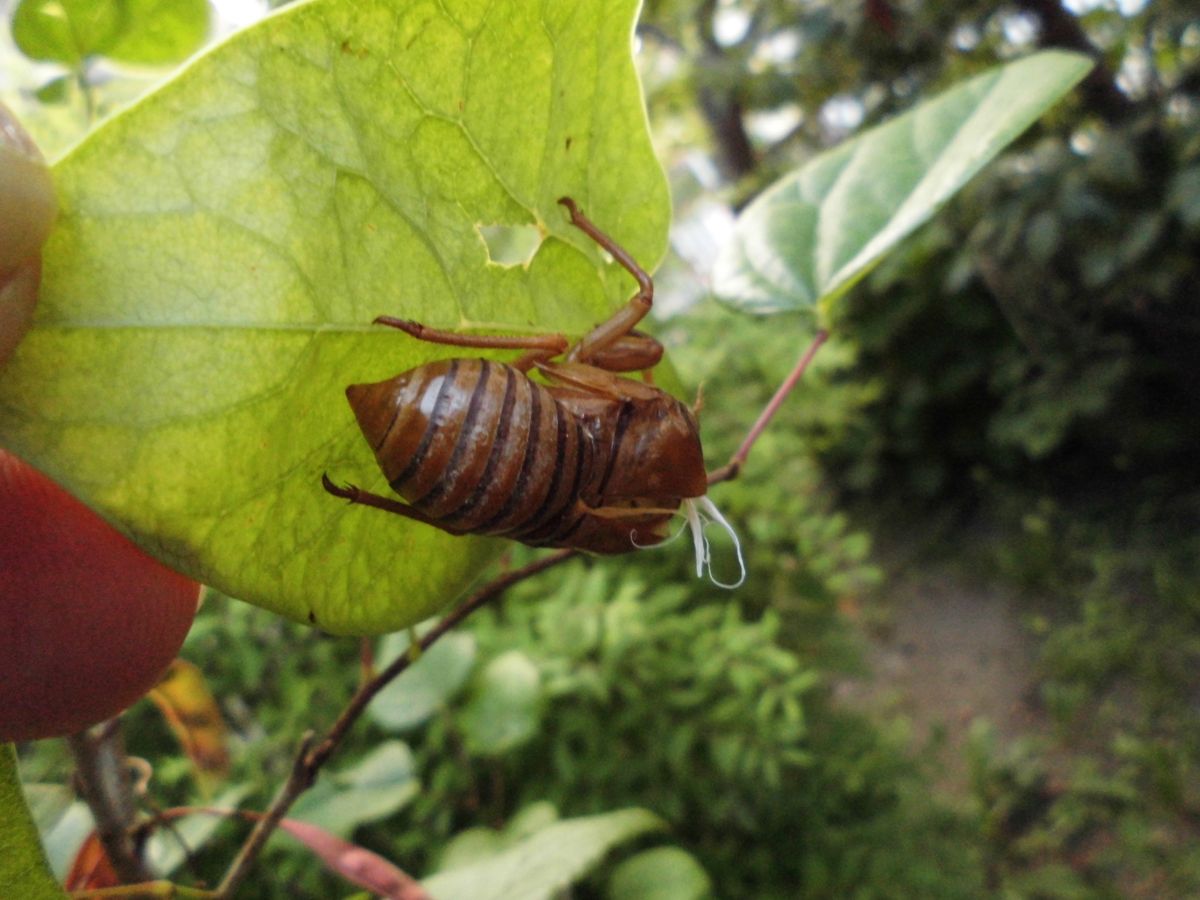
(544, 863)
(808, 238)
(225, 243)
(23, 869)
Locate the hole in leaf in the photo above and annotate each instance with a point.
(511, 245)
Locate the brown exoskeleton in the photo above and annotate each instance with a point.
(592, 460)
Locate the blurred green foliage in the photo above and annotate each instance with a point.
(536, 856)
(101, 53)
(145, 32)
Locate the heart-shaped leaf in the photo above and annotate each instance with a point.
(811, 236)
(64, 31)
(225, 243)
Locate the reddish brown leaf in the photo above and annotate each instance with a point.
(356, 864)
(91, 869)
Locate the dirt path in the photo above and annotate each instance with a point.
(950, 653)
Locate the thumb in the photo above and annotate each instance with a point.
(27, 209)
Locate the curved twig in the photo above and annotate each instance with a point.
(313, 754)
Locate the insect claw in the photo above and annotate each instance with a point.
(349, 492)
(571, 208)
(407, 325)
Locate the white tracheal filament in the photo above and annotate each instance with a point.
(700, 512)
(698, 521)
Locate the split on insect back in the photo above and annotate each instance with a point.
(589, 460)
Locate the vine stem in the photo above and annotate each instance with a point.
(313, 754)
(730, 470)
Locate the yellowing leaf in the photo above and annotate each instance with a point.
(190, 709)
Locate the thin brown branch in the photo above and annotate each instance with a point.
(365, 870)
(102, 777)
(300, 779)
(730, 470)
(312, 754)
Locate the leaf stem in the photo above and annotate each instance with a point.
(730, 470)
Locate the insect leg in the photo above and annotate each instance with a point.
(623, 321)
(632, 513)
(634, 352)
(594, 382)
(355, 494)
(531, 358)
(549, 344)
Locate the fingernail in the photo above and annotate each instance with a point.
(27, 201)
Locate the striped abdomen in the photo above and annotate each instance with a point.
(478, 447)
